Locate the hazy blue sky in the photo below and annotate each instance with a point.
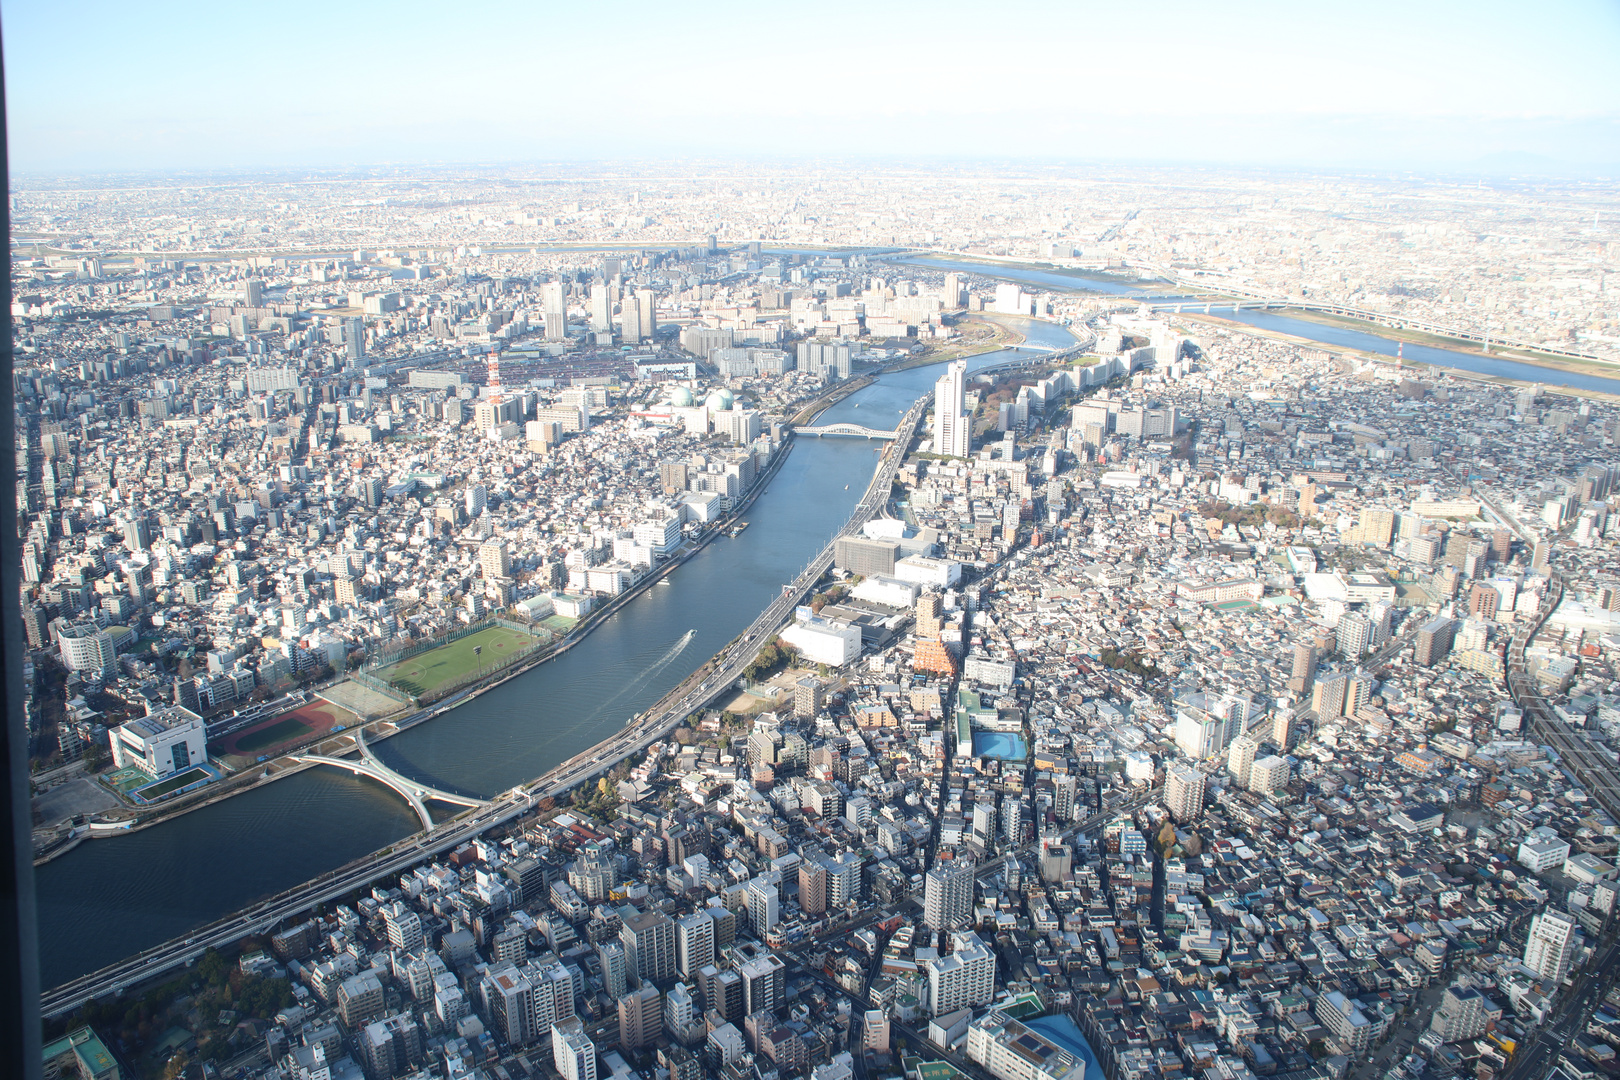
(1419, 84)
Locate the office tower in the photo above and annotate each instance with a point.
(601, 307)
(630, 331)
(1269, 774)
(1184, 792)
(813, 887)
(948, 895)
(641, 1017)
(764, 982)
(764, 906)
(649, 945)
(1434, 640)
(964, 978)
(137, 534)
(1354, 632)
(615, 970)
(253, 292)
(554, 304)
(354, 339)
(572, 1050)
(495, 561)
(694, 944)
(646, 318)
(1549, 949)
(952, 427)
(1327, 697)
(370, 491)
(1303, 672)
(1240, 758)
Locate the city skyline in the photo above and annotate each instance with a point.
(1442, 87)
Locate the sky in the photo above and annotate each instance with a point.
(1420, 85)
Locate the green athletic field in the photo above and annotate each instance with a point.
(424, 674)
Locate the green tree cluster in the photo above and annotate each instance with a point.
(1128, 661)
(771, 659)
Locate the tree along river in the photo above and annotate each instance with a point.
(110, 898)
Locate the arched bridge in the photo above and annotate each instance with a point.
(415, 792)
(853, 430)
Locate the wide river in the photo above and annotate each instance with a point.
(110, 898)
(1345, 336)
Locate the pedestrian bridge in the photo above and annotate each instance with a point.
(854, 431)
(416, 793)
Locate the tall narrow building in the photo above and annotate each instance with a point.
(1184, 792)
(948, 895)
(1549, 949)
(952, 427)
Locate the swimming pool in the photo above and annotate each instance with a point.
(1000, 745)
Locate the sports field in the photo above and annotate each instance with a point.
(423, 675)
(277, 734)
(279, 731)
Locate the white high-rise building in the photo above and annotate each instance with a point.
(572, 1051)
(694, 944)
(554, 302)
(1240, 758)
(601, 307)
(1184, 792)
(1550, 948)
(948, 895)
(964, 978)
(1268, 775)
(764, 905)
(953, 429)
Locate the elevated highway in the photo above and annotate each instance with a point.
(653, 726)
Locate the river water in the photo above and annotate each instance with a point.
(1345, 336)
(113, 897)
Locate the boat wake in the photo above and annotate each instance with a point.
(652, 670)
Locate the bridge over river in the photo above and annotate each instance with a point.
(367, 764)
